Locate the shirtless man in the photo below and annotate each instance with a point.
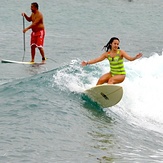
(38, 31)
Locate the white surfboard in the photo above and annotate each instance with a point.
(21, 62)
(105, 95)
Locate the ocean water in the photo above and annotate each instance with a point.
(44, 116)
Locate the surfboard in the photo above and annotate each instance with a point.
(21, 62)
(105, 95)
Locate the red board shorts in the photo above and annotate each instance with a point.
(37, 38)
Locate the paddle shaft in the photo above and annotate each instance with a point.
(23, 38)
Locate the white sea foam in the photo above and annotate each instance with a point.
(143, 89)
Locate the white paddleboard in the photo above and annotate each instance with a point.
(20, 62)
(105, 95)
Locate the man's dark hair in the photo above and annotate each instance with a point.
(35, 4)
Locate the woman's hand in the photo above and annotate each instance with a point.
(84, 63)
(138, 55)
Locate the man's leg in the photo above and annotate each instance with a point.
(42, 53)
(33, 51)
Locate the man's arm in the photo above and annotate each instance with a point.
(34, 23)
(29, 19)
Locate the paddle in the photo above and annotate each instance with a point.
(23, 38)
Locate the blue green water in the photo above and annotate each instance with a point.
(43, 115)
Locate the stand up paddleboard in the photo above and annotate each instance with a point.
(106, 95)
(20, 62)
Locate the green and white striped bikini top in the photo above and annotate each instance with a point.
(116, 64)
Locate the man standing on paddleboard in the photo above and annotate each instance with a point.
(38, 31)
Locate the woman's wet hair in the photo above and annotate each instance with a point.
(107, 47)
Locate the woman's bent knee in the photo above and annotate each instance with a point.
(116, 79)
